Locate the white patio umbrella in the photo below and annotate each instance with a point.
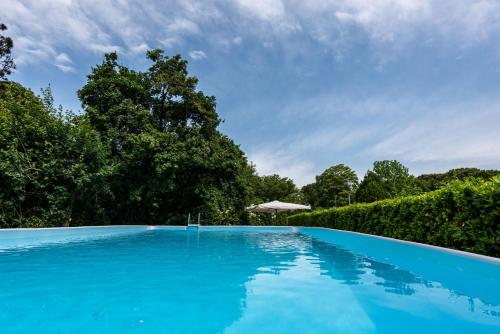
(277, 206)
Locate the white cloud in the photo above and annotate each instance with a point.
(228, 42)
(183, 25)
(169, 42)
(197, 55)
(63, 62)
(271, 160)
(423, 133)
(388, 25)
(141, 48)
(66, 68)
(263, 9)
(104, 48)
(41, 27)
(63, 58)
(32, 51)
(448, 135)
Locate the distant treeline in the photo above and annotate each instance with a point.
(339, 185)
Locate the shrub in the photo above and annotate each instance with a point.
(462, 215)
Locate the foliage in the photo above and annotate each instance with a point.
(269, 188)
(334, 187)
(146, 150)
(430, 182)
(273, 187)
(387, 179)
(170, 159)
(310, 194)
(462, 215)
(6, 62)
(44, 169)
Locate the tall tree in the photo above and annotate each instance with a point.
(387, 179)
(6, 62)
(176, 104)
(310, 194)
(169, 157)
(49, 166)
(274, 187)
(372, 188)
(334, 187)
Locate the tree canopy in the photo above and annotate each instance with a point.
(334, 187)
(6, 62)
(50, 167)
(387, 179)
(145, 150)
(274, 187)
(430, 182)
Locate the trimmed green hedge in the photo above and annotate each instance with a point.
(463, 215)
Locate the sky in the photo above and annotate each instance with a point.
(301, 85)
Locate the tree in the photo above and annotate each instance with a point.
(387, 179)
(310, 193)
(371, 189)
(6, 62)
(48, 165)
(334, 187)
(175, 102)
(274, 187)
(146, 150)
(430, 182)
(169, 157)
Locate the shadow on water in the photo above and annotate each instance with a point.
(417, 265)
(418, 295)
(347, 267)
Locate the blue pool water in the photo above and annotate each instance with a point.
(239, 280)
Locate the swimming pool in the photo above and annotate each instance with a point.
(239, 280)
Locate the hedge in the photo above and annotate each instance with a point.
(462, 215)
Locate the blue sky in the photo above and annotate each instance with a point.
(301, 85)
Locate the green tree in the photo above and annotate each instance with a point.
(145, 150)
(387, 179)
(176, 104)
(372, 188)
(169, 157)
(274, 187)
(47, 163)
(430, 182)
(310, 194)
(334, 187)
(6, 62)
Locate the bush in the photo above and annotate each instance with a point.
(462, 215)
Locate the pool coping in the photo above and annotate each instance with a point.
(482, 257)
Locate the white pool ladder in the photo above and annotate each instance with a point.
(197, 225)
